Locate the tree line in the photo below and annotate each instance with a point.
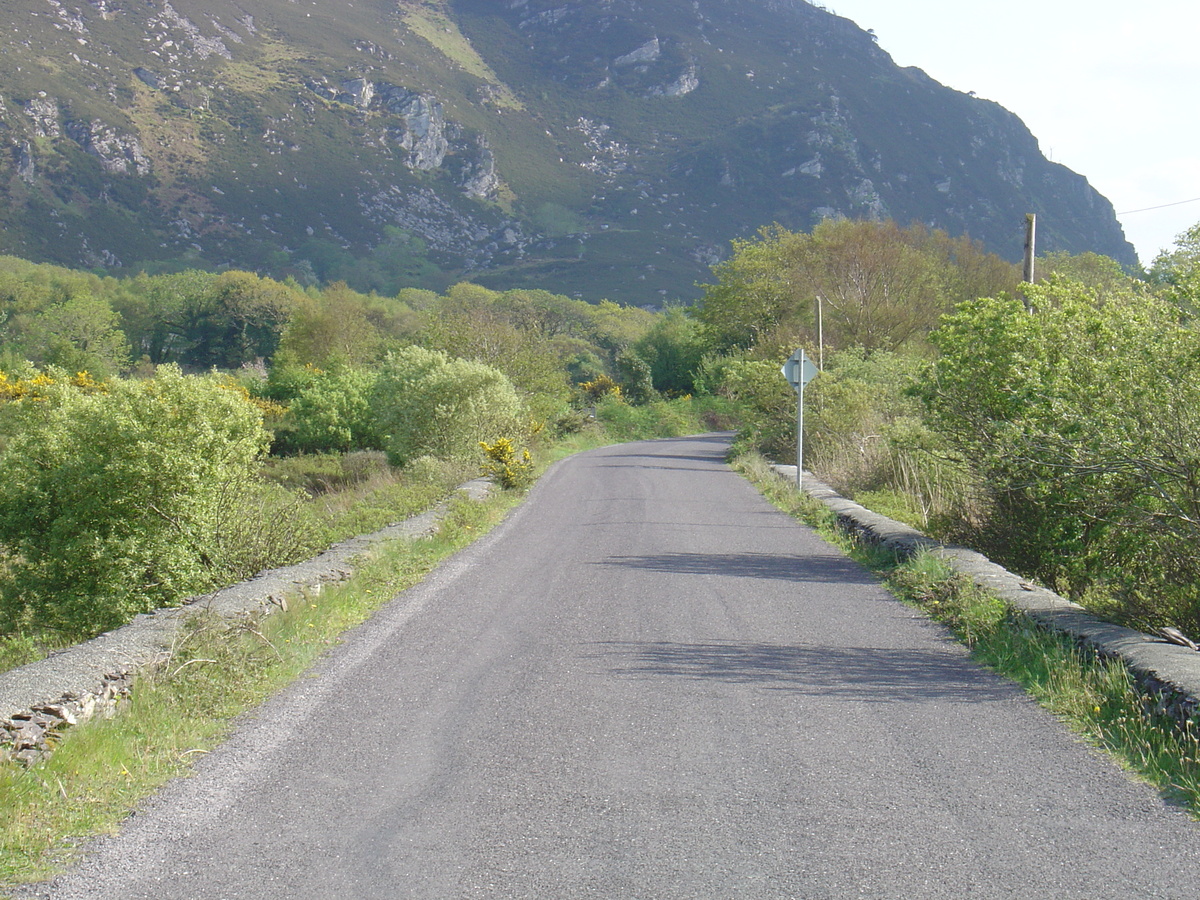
(1054, 426)
(138, 415)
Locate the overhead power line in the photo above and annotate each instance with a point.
(1164, 206)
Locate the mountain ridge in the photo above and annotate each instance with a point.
(604, 149)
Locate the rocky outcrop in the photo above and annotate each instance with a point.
(443, 226)
(659, 126)
(424, 132)
(44, 112)
(649, 52)
(420, 127)
(201, 45)
(119, 154)
(687, 82)
(26, 169)
(478, 175)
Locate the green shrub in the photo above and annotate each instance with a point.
(265, 526)
(657, 419)
(332, 414)
(112, 497)
(767, 401)
(672, 349)
(429, 404)
(633, 373)
(1081, 419)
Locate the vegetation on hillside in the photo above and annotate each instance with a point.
(592, 149)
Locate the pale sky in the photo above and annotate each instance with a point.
(1108, 88)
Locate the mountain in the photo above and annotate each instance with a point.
(603, 148)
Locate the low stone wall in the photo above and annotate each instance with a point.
(1166, 672)
(40, 700)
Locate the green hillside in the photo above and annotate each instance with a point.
(604, 150)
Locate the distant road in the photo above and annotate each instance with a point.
(649, 684)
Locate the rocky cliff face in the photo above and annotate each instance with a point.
(597, 147)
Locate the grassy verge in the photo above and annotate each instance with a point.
(218, 670)
(1098, 698)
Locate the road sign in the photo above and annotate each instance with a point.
(799, 370)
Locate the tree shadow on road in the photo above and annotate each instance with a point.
(865, 673)
(773, 566)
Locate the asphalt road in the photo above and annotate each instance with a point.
(648, 684)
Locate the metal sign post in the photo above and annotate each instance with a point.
(799, 371)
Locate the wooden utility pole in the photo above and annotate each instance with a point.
(1030, 249)
(1030, 242)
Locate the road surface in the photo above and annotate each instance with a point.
(647, 683)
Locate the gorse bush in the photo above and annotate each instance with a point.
(112, 499)
(509, 469)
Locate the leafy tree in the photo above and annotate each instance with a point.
(613, 327)
(507, 332)
(200, 319)
(582, 363)
(1177, 271)
(80, 334)
(672, 348)
(868, 284)
(238, 319)
(1102, 274)
(333, 414)
(877, 290)
(755, 292)
(633, 374)
(332, 329)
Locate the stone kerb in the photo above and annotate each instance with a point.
(1166, 671)
(44, 697)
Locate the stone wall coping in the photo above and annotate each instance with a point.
(1163, 666)
(85, 669)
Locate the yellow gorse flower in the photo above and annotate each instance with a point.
(35, 388)
(503, 464)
